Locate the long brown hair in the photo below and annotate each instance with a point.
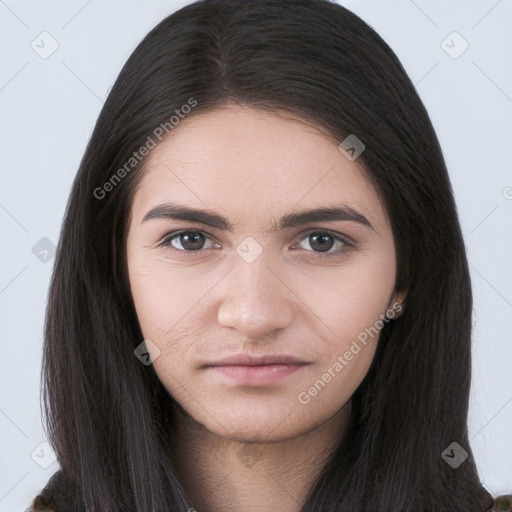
(108, 417)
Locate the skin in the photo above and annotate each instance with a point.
(253, 167)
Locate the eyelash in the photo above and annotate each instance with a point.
(347, 243)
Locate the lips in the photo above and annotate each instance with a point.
(265, 370)
(264, 360)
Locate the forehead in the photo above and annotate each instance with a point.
(252, 163)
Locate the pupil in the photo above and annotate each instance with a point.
(321, 241)
(191, 241)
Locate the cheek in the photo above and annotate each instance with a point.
(349, 298)
(154, 303)
(162, 296)
(170, 310)
(351, 303)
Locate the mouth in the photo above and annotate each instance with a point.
(264, 375)
(248, 370)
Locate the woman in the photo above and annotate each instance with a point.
(261, 299)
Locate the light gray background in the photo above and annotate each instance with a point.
(49, 107)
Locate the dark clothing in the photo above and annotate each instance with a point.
(53, 499)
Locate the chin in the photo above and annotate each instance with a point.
(253, 426)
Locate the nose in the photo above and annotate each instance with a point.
(255, 299)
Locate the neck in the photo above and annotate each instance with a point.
(223, 475)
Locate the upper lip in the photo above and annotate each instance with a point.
(263, 360)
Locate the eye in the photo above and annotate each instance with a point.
(186, 241)
(322, 242)
(192, 242)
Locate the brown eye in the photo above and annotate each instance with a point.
(321, 241)
(186, 241)
(191, 240)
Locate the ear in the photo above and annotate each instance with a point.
(396, 305)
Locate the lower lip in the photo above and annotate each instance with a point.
(258, 375)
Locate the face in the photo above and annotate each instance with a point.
(260, 315)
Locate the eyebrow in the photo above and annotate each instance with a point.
(184, 213)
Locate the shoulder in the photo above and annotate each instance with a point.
(502, 503)
(55, 497)
(44, 502)
(41, 504)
